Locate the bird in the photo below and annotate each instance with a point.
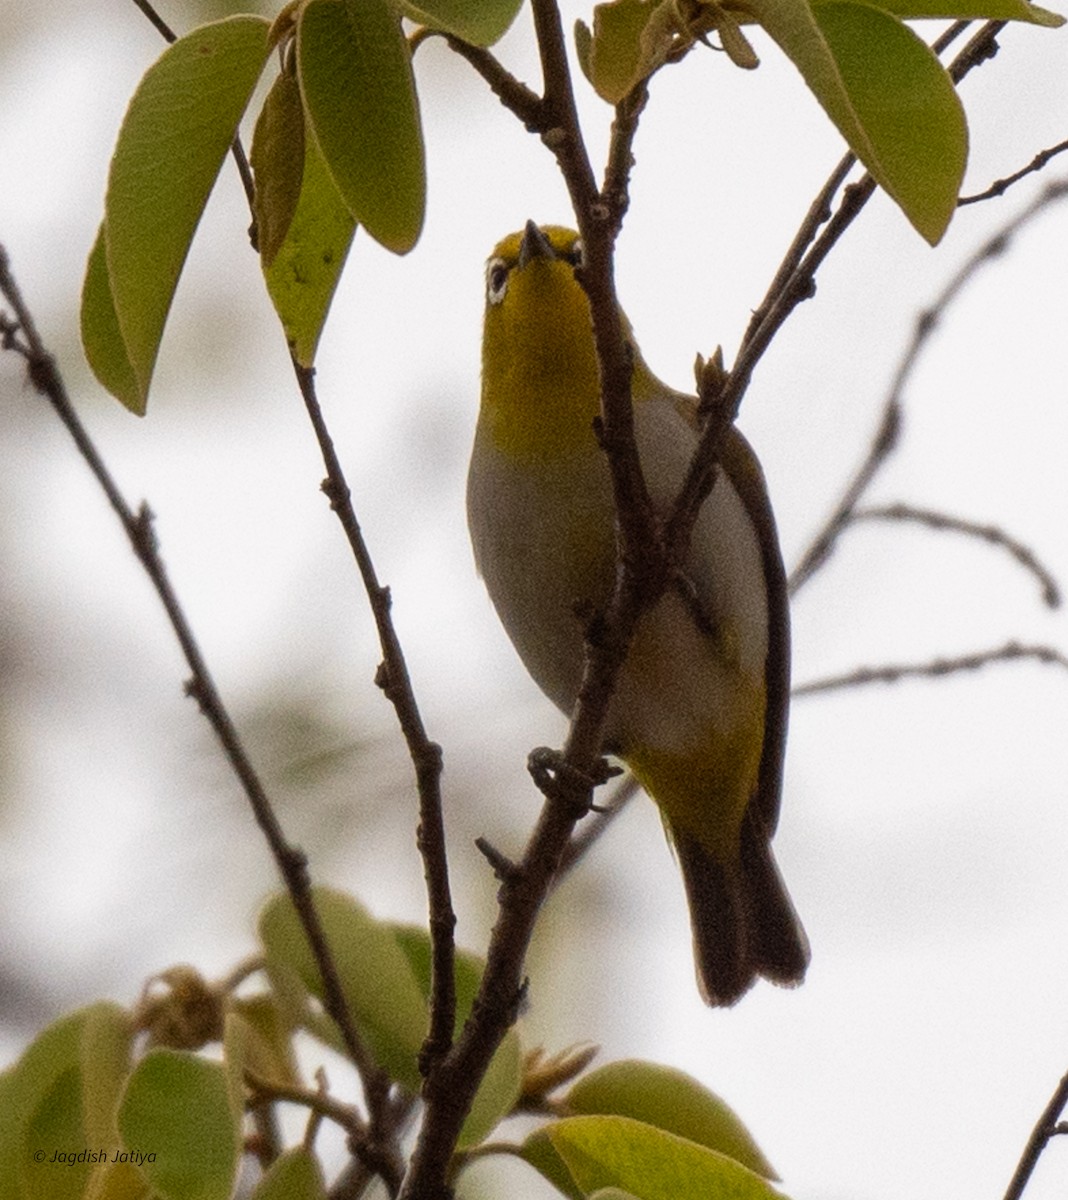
(700, 706)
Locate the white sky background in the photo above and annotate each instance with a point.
(923, 833)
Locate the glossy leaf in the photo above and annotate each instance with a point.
(304, 273)
(178, 1126)
(618, 1152)
(503, 1080)
(385, 1000)
(671, 1100)
(356, 80)
(173, 140)
(480, 22)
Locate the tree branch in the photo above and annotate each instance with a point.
(426, 758)
(994, 534)
(23, 337)
(885, 440)
(395, 682)
(1000, 186)
(1046, 1128)
(935, 668)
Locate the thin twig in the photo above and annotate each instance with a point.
(1000, 186)
(427, 763)
(568, 780)
(425, 754)
(1046, 1128)
(595, 827)
(165, 31)
(515, 96)
(935, 668)
(994, 534)
(317, 1101)
(824, 542)
(139, 527)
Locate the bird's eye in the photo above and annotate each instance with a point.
(496, 280)
(576, 253)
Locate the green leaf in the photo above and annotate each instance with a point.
(277, 161)
(356, 79)
(178, 1126)
(480, 22)
(501, 1085)
(888, 94)
(629, 41)
(908, 107)
(670, 1100)
(618, 1152)
(307, 266)
(979, 10)
(105, 350)
(294, 1175)
(173, 140)
(60, 1097)
(268, 1048)
(385, 1000)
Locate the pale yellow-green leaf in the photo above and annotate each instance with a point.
(906, 102)
(118, 1181)
(502, 1082)
(889, 96)
(629, 41)
(105, 350)
(60, 1092)
(480, 22)
(618, 1152)
(269, 1050)
(307, 266)
(173, 141)
(356, 80)
(671, 1100)
(294, 1175)
(177, 1114)
(385, 1000)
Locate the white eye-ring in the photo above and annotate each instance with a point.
(576, 253)
(496, 280)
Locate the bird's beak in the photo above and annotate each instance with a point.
(534, 245)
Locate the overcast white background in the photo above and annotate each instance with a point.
(923, 834)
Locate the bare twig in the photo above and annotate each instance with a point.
(594, 828)
(1046, 1128)
(992, 247)
(426, 757)
(22, 336)
(157, 21)
(425, 754)
(935, 668)
(825, 541)
(994, 534)
(515, 96)
(1000, 186)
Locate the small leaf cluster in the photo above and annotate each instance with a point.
(339, 142)
(159, 1103)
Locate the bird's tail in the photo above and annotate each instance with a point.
(744, 924)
